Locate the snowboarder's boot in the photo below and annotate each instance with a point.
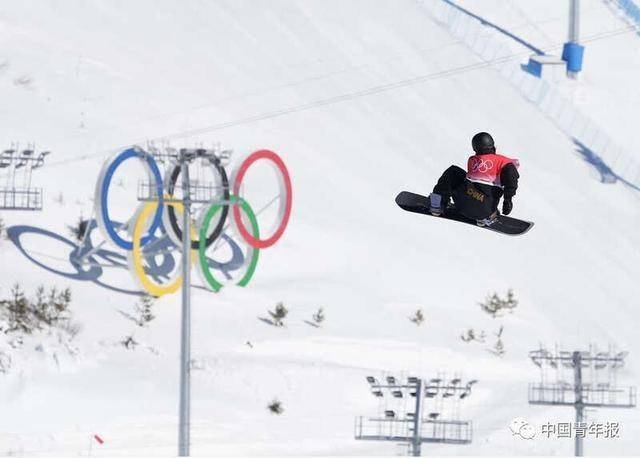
(436, 204)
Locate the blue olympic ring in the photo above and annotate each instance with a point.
(104, 194)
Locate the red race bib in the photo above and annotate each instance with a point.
(486, 168)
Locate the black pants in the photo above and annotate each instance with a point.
(476, 201)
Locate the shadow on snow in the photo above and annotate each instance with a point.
(607, 175)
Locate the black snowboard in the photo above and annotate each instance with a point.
(420, 204)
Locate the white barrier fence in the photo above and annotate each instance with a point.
(597, 147)
(630, 9)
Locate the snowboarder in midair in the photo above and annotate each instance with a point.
(476, 192)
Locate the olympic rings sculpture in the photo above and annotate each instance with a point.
(154, 231)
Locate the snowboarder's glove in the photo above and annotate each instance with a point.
(507, 206)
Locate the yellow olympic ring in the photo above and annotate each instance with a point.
(135, 255)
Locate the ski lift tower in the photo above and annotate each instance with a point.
(573, 51)
(411, 412)
(193, 192)
(16, 193)
(592, 382)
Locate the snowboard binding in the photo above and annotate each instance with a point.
(486, 222)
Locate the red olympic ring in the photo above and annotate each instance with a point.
(285, 211)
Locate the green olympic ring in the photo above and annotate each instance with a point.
(214, 284)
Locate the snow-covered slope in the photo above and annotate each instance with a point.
(108, 74)
(608, 93)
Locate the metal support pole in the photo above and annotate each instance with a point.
(574, 28)
(574, 21)
(417, 420)
(185, 343)
(579, 403)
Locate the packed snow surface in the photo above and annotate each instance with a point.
(87, 78)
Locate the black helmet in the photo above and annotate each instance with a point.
(483, 143)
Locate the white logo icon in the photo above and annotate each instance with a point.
(482, 166)
(521, 427)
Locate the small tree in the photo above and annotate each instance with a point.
(498, 348)
(494, 305)
(318, 317)
(275, 407)
(142, 316)
(17, 312)
(143, 313)
(43, 309)
(417, 318)
(51, 308)
(143, 307)
(63, 300)
(471, 335)
(511, 301)
(279, 314)
(129, 343)
(79, 229)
